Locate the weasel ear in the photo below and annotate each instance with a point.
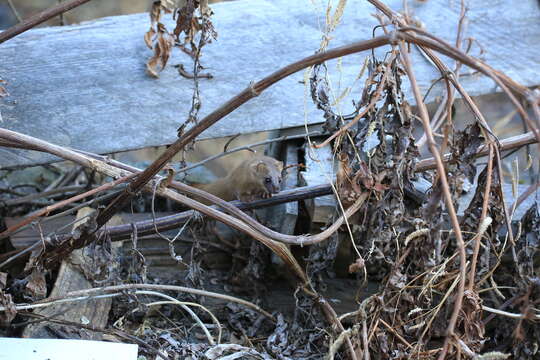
(258, 166)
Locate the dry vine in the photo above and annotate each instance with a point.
(439, 270)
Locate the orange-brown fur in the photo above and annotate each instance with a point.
(255, 178)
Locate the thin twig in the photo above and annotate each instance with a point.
(117, 290)
(185, 305)
(44, 211)
(485, 204)
(39, 18)
(14, 10)
(446, 193)
(115, 332)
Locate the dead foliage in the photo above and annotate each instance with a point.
(158, 39)
(449, 284)
(192, 19)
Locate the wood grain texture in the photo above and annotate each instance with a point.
(94, 312)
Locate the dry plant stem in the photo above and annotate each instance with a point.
(278, 248)
(336, 344)
(372, 103)
(365, 341)
(260, 86)
(46, 210)
(509, 314)
(452, 78)
(246, 95)
(485, 204)
(446, 193)
(39, 18)
(188, 310)
(396, 334)
(510, 143)
(283, 238)
(448, 100)
(32, 143)
(432, 42)
(505, 83)
(184, 305)
(112, 171)
(170, 222)
(158, 287)
(506, 213)
(491, 139)
(333, 318)
(14, 10)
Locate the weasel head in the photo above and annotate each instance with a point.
(266, 172)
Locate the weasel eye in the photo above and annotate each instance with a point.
(267, 180)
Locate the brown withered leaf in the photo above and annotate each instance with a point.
(349, 189)
(7, 316)
(471, 321)
(344, 184)
(158, 39)
(162, 51)
(36, 287)
(364, 176)
(149, 36)
(157, 8)
(184, 20)
(155, 13)
(188, 23)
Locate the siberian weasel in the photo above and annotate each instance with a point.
(255, 178)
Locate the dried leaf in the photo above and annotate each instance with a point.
(149, 36)
(36, 286)
(159, 39)
(162, 51)
(7, 316)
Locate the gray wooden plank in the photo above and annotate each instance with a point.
(84, 86)
(283, 217)
(72, 278)
(319, 169)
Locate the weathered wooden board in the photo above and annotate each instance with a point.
(319, 169)
(283, 217)
(85, 86)
(70, 277)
